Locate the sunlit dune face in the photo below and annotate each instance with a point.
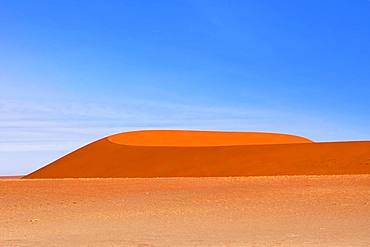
(183, 138)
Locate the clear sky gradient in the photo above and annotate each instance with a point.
(75, 71)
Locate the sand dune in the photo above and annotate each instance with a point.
(208, 154)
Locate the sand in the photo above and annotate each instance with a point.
(195, 189)
(248, 211)
(174, 153)
(106, 159)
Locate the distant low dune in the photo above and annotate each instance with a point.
(208, 154)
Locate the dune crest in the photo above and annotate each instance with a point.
(182, 138)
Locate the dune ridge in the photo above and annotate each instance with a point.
(105, 158)
(185, 138)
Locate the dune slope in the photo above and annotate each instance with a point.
(107, 158)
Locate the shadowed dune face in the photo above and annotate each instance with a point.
(181, 138)
(106, 158)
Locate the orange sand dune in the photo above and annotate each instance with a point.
(163, 154)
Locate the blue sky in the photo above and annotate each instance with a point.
(75, 71)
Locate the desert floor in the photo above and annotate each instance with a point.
(248, 211)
